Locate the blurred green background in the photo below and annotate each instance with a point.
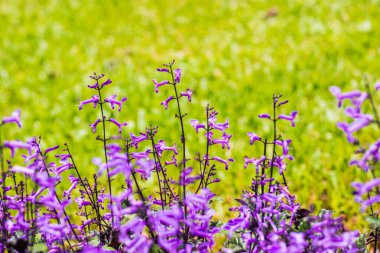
(233, 54)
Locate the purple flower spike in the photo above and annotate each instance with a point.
(14, 118)
(290, 117)
(161, 146)
(93, 99)
(93, 125)
(187, 94)
(114, 102)
(74, 181)
(157, 85)
(106, 83)
(336, 91)
(264, 116)
(225, 162)
(118, 124)
(166, 102)
(253, 137)
(177, 75)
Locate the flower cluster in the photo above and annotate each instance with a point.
(156, 197)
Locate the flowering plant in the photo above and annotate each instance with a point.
(162, 201)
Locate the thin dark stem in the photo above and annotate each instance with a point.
(105, 151)
(183, 140)
(376, 234)
(274, 140)
(263, 166)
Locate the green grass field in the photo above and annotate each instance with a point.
(233, 54)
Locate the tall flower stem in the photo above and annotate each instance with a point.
(274, 139)
(180, 116)
(105, 149)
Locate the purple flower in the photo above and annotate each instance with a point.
(166, 102)
(195, 123)
(24, 170)
(112, 101)
(177, 75)
(377, 86)
(290, 117)
(135, 140)
(225, 162)
(160, 147)
(106, 83)
(157, 85)
(187, 94)
(218, 126)
(224, 141)
(51, 149)
(118, 124)
(253, 137)
(14, 118)
(254, 161)
(93, 125)
(264, 116)
(141, 155)
(336, 91)
(94, 99)
(163, 70)
(14, 145)
(74, 181)
(356, 125)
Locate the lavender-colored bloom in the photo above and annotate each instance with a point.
(51, 149)
(218, 126)
(284, 144)
(377, 86)
(94, 99)
(256, 162)
(14, 118)
(166, 102)
(74, 181)
(112, 101)
(93, 125)
(177, 75)
(118, 124)
(187, 94)
(161, 146)
(225, 162)
(106, 83)
(372, 153)
(135, 140)
(157, 85)
(336, 91)
(356, 125)
(14, 145)
(24, 170)
(195, 123)
(141, 155)
(264, 116)
(163, 70)
(253, 137)
(290, 117)
(224, 141)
